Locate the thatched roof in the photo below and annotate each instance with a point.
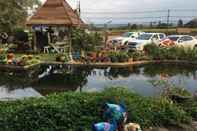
(55, 12)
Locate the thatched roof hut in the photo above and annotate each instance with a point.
(55, 13)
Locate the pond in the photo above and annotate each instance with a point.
(139, 79)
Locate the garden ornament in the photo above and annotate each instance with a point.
(104, 126)
(115, 112)
(132, 127)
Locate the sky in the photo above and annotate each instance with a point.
(110, 7)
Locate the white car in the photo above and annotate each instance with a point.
(124, 38)
(145, 39)
(185, 41)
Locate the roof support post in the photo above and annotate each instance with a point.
(34, 41)
(70, 44)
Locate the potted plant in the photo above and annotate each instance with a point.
(113, 57)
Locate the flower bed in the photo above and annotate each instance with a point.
(25, 60)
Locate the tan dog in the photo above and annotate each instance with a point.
(132, 127)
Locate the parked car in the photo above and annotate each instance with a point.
(144, 39)
(185, 41)
(124, 38)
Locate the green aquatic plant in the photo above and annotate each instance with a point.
(169, 89)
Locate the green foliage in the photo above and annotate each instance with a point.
(74, 111)
(190, 107)
(116, 56)
(123, 57)
(3, 55)
(20, 36)
(193, 110)
(180, 23)
(137, 55)
(81, 40)
(172, 53)
(62, 57)
(14, 12)
(170, 89)
(113, 56)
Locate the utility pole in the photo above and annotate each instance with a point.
(168, 20)
(106, 30)
(78, 11)
(79, 8)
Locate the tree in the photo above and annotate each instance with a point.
(14, 12)
(192, 24)
(134, 26)
(180, 23)
(159, 24)
(86, 41)
(129, 26)
(151, 25)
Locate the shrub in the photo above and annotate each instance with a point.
(82, 40)
(20, 36)
(171, 53)
(137, 56)
(190, 107)
(113, 56)
(122, 57)
(118, 56)
(74, 111)
(62, 57)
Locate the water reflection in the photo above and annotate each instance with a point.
(51, 79)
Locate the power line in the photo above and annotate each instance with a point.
(164, 16)
(158, 17)
(184, 10)
(168, 19)
(138, 12)
(129, 12)
(107, 17)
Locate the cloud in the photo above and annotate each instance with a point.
(133, 6)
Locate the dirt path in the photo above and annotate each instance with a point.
(184, 128)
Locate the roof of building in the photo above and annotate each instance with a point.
(55, 12)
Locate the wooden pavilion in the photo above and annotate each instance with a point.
(54, 13)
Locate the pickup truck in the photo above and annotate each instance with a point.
(145, 39)
(124, 38)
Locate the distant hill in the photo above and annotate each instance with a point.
(192, 23)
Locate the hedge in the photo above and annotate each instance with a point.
(78, 111)
(174, 53)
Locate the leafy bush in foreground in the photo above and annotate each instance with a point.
(74, 111)
(190, 107)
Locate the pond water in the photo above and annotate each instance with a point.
(48, 80)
